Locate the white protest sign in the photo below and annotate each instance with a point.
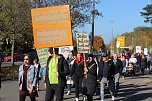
(118, 44)
(65, 50)
(138, 49)
(82, 42)
(145, 51)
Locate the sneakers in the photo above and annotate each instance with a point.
(113, 98)
(123, 78)
(77, 99)
(68, 93)
(84, 98)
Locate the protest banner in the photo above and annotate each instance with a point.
(65, 50)
(145, 51)
(43, 56)
(138, 49)
(51, 26)
(82, 42)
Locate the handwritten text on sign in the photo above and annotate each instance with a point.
(51, 17)
(82, 42)
(51, 26)
(52, 36)
(43, 56)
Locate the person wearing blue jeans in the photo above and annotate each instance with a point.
(42, 75)
(69, 85)
(69, 79)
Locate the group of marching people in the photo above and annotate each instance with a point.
(138, 62)
(75, 70)
(103, 71)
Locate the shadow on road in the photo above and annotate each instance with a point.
(133, 92)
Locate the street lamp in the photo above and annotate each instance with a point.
(112, 45)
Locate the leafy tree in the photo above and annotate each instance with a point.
(15, 20)
(99, 43)
(80, 9)
(141, 36)
(147, 14)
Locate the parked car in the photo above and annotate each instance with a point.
(17, 57)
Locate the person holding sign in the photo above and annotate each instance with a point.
(56, 72)
(89, 83)
(78, 72)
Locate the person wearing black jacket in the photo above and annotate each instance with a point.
(56, 72)
(78, 74)
(138, 57)
(143, 64)
(105, 76)
(89, 81)
(117, 65)
(70, 61)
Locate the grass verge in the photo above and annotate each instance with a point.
(9, 73)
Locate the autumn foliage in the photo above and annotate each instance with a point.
(98, 43)
(141, 36)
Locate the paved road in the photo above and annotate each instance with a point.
(131, 89)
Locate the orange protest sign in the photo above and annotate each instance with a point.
(51, 26)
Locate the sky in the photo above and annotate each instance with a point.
(125, 15)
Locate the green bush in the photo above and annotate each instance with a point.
(9, 73)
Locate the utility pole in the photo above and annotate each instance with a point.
(14, 32)
(12, 59)
(93, 8)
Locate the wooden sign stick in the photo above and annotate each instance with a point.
(85, 66)
(55, 59)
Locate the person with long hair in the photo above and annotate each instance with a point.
(78, 72)
(27, 80)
